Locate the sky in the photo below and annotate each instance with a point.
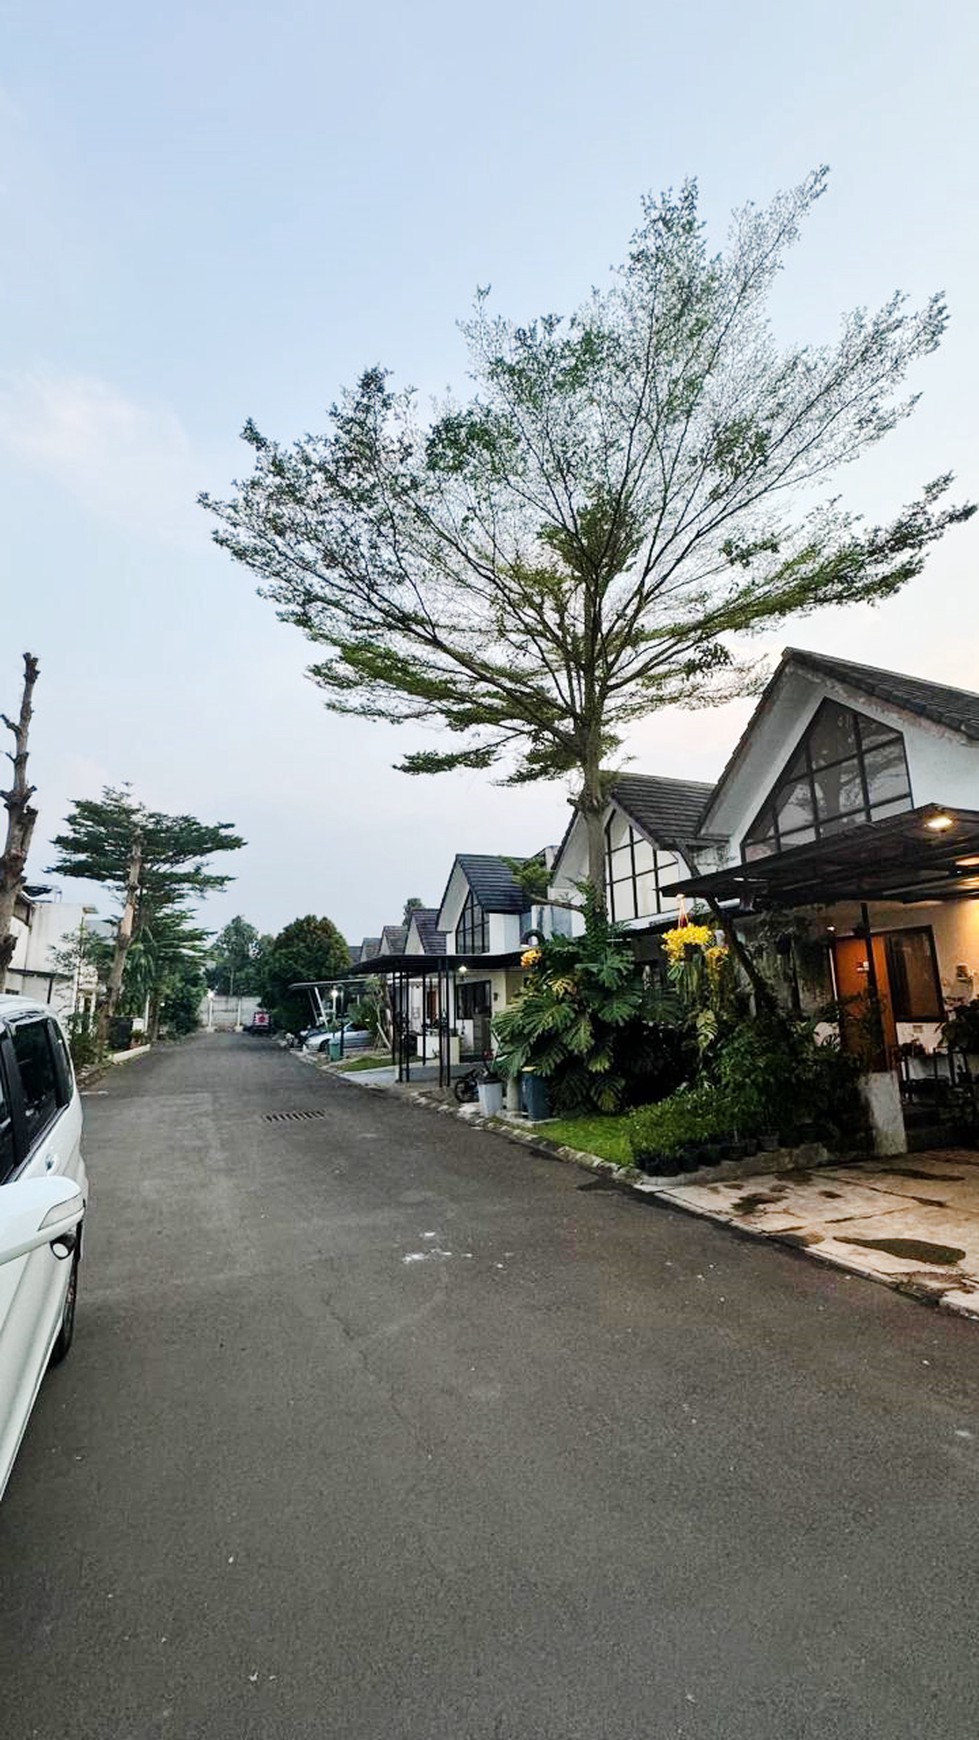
(222, 210)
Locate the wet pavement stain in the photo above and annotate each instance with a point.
(751, 1203)
(916, 1250)
(930, 1177)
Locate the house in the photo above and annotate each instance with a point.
(46, 962)
(485, 915)
(653, 837)
(852, 802)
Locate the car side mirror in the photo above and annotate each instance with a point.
(38, 1211)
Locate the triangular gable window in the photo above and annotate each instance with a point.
(848, 769)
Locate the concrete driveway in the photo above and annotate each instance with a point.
(379, 1426)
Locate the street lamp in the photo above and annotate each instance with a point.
(210, 1010)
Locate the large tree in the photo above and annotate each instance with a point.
(308, 948)
(153, 862)
(627, 492)
(234, 968)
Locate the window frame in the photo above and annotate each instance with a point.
(665, 867)
(478, 928)
(764, 829)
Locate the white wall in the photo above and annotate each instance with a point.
(53, 927)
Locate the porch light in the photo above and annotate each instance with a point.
(463, 970)
(938, 824)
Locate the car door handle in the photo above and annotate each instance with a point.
(50, 1162)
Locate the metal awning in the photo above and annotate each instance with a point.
(931, 853)
(415, 966)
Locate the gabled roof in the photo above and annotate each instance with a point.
(493, 883)
(370, 947)
(425, 921)
(667, 810)
(393, 938)
(956, 709)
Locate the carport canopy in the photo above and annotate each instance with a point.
(929, 853)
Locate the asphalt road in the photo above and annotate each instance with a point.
(377, 1426)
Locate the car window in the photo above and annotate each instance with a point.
(35, 1059)
(6, 1131)
(62, 1058)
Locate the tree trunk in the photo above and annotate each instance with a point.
(591, 804)
(124, 936)
(21, 818)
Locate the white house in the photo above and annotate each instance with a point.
(853, 798)
(653, 837)
(46, 962)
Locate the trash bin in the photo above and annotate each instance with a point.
(490, 1098)
(536, 1100)
(335, 1050)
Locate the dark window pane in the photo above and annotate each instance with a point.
(36, 1064)
(839, 790)
(793, 807)
(832, 735)
(762, 848)
(887, 774)
(763, 828)
(915, 992)
(798, 837)
(841, 824)
(6, 1132)
(872, 731)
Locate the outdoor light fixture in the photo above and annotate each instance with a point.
(968, 863)
(938, 824)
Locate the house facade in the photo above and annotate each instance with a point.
(653, 837)
(46, 963)
(852, 803)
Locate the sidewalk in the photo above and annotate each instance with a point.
(912, 1222)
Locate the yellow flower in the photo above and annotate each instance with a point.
(529, 958)
(678, 942)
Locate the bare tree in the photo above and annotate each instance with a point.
(21, 817)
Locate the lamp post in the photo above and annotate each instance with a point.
(210, 1010)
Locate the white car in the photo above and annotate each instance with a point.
(43, 1194)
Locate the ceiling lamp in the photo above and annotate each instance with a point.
(939, 823)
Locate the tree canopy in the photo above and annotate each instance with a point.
(308, 948)
(627, 492)
(235, 964)
(156, 864)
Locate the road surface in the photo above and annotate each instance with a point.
(378, 1426)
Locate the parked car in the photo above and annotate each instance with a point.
(354, 1038)
(43, 1195)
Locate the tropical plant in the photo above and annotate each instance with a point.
(587, 1022)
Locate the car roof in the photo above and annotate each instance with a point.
(11, 1006)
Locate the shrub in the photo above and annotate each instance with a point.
(694, 1115)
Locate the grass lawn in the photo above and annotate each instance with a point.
(371, 1061)
(606, 1137)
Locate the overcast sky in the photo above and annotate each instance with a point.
(225, 209)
